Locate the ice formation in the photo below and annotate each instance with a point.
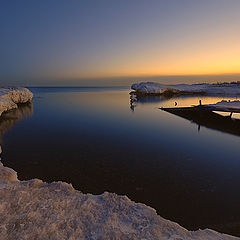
(10, 97)
(37, 210)
(152, 88)
(226, 105)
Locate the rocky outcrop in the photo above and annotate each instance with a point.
(153, 88)
(10, 97)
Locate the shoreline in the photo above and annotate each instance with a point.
(157, 89)
(35, 209)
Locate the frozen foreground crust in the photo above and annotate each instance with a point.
(10, 97)
(152, 88)
(37, 210)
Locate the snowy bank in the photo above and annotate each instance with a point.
(228, 105)
(36, 210)
(10, 97)
(152, 88)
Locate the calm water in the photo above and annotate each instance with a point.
(90, 137)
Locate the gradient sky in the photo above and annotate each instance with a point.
(80, 42)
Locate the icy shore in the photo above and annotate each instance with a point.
(228, 105)
(37, 210)
(10, 97)
(152, 88)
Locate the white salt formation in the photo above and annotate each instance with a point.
(152, 88)
(10, 97)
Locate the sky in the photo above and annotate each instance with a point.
(110, 42)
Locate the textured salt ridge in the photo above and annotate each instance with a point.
(149, 88)
(36, 210)
(10, 97)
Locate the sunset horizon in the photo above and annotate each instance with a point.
(55, 41)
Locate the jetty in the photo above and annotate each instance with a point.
(207, 116)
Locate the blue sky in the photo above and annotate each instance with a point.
(104, 42)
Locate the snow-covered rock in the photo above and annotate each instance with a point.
(10, 97)
(226, 104)
(152, 88)
(36, 210)
(6, 104)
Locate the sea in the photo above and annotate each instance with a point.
(98, 140)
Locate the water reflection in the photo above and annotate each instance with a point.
(208, 119)
(212, 120)
(139, 99)
(173, 101)
(10, 118)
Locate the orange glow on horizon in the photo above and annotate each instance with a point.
(170, 64)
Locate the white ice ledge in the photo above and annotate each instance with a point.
(37, 210)
(10, 97)
(152, 88)
(226, 105)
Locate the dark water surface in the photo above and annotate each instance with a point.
(90, 137)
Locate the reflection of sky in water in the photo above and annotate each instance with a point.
(91, 138)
